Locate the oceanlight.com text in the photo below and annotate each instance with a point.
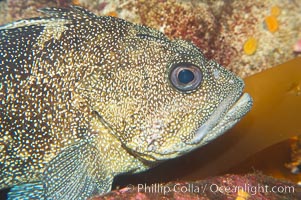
(213, 188)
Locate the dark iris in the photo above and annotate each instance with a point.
(185, 76)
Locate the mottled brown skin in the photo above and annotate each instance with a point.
(84, 98)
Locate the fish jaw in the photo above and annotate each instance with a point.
(224, 117)
(214, 128)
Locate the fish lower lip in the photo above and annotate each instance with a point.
(222, 119)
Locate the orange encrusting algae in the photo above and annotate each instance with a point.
(112, 14)
(242, 195)
(250, 46)
(271, 23)
(75, 2)
(275, 117)
(275, 11)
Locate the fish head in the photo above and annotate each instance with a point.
(163, 99)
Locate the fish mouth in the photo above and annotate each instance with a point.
(226, 115)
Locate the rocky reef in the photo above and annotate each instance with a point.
(244, 36)
(227, 187)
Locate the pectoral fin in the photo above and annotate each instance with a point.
(29, 191)
(76, 173)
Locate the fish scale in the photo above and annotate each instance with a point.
(85, 98)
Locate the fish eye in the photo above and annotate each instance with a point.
(185, 76)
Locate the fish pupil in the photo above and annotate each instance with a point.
(185, 76)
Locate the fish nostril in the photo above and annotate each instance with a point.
(216, 74)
